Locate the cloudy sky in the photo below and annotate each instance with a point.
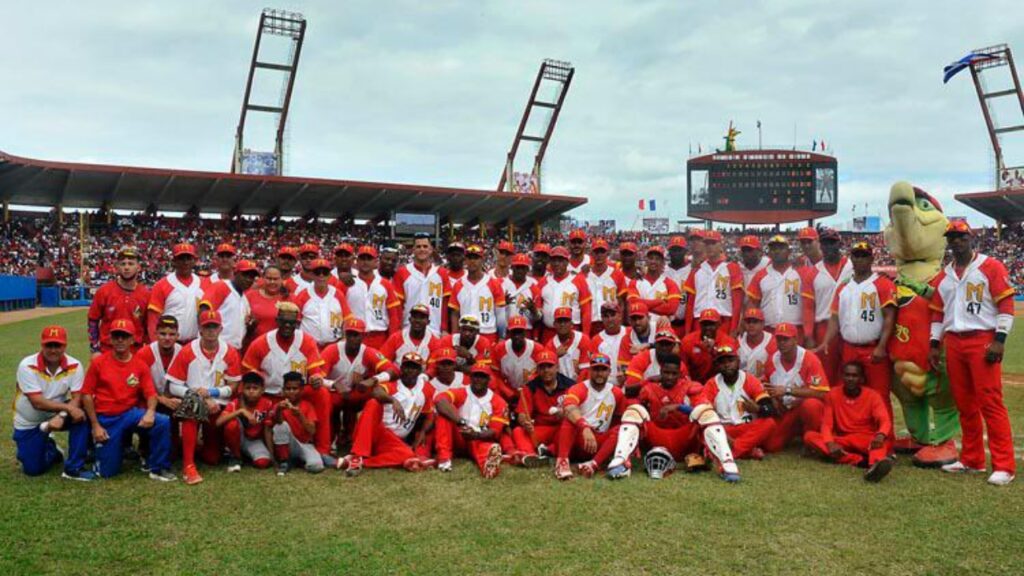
(431, 92)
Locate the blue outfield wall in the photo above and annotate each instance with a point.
(17, 292)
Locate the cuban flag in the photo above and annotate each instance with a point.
(963, 63)
(651, 204)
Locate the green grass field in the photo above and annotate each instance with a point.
(788, 516)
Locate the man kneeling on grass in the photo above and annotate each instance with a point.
(471, 421)
(295, 427)
(392, 428)
(855, 425)
(248, 423)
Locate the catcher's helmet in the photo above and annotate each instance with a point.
(659, 463)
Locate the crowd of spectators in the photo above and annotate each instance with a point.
(38, 245)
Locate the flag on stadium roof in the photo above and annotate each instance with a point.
(955, 68)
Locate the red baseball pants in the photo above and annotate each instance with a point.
(793, 423)
(545, 434)
(856, 446)
(743, 438)
(570, 443)
(375, 442)
(678, 441)
(877, 376)
(450, 441)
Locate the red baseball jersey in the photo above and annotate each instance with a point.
(865, 414)
(292, 419)
(117, 386)
(112, 302)
(654, 397)
(263, 414)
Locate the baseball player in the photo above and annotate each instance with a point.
(698, 347)
(478, 295)
(646, 365)
(373, 300)
(562, 289)
(446, 377)
(388, 264)
(678, 269)
(122, 297)
(627, 260)
(609, 341)
(973, 315)
(224, 258)
(227, 297)
(854, 426)
(470, 346)
(780, 291)
(287, 260)
(178, 294)
(717, 283)
(590, 428)
(655, 289)
(503, 253)
(114, 386)
(323, 307)
(752, 258)
(571, 346)
(643, 329)
(823, 278)
(756, 346)
(579, 261)
(392, 427)
(295, 424)
(810, 247)
(455, 263)
(210, 368)
(797, 384)
(605, 283)
(295, 283)
(864, 315)
(518, 288)
(247, 425)
(48, 400)
(416, 337)
(343, 274)
(471, 421)
(540, 261)
(420, 282)
(515, 360)
(539, 412)
(158, 356)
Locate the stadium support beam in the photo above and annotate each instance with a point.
(252, 194)
(523, 217)
(472, 207)
(163, 191)
(108, 198)
(294, 196)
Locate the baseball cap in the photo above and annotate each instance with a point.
(455, 246)
(655, 249)
(749, 241)
(167, 321)
(600, 360)
(785, 330)
(226, 248)
(611, 306)
(546, 357)
(725, 351)
(344, 248)
(288, 251)
(637, 309)
(521, 260)
(412, 358)
(958, 227)
(480, 368)
(807, 234)
(862, 248)
(475, 250)
(577, 234)
(753, 314)
(128, 252)
(506, 246)
(677, 242)
(559, 252)
(367, 251)
(517, 323)
(830, 235)
(563, 312)
(123, 326)
(210, 318)
(319, 264)
(420, 308)
(710, 315)
(355, 325)
(443, 355)
(469, 320)
(665, 336)
(778, 239)
(599, 244)
(628, 247)
(695, 233)
(183, 249)
(712, 236)
(541, 248)
(54, 335)
(309, 248)
(243, 266)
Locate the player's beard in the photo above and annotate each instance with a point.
(128, 279)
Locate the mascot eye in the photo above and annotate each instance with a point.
(925, 204)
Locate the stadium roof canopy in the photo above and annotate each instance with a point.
(1005, 206)
(32, 182)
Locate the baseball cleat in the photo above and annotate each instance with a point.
(341, 463)
(191, 475)
(543, 453)
(618, 472)
(588, 468)
(492, 466)
(82, 475)
(959, 468)
(878, 470)
(162, 475)
(444, 466)
(355, 466)
(1000, 478)
(234, 464)
(283, 468)
(562, 469)
(533, 461)
(730, 477)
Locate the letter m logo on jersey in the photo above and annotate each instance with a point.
(791, 287)
(868, 301)
(486, 304)
(975, 292)
(434, 289)
(377, 302)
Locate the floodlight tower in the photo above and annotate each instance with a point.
(292, 26)
(1000, 73)
(553, 77)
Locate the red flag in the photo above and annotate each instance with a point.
(641, 205)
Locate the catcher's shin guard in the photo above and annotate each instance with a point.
(716, 440)
(629, 435)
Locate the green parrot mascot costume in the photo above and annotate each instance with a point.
(916, 239)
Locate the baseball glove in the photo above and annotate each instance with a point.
(192, 407)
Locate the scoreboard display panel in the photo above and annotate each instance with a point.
(761, 186)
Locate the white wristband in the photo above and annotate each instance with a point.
(936, 331)
(1004, 323)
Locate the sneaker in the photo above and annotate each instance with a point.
(329, 461)
(1000, 478)
(562, 469)
(730, 477)
(878, 470)
(588, 468)
(533, 461)
(83, 475)
(162, 475)
(234, 464)
(512, 459)
(191, 475)
(355, 466)
(543, 453)
(618, 472)
(492, 466)
(144, 466)
(283, 468)
(342, 463)
(959, 468)
(444, 466)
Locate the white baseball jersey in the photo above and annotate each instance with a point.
(609, 345)
(478, 411)
(560, 293)
(156, 367)
(858, 306)
(729, 400)
(479, 299)
(598, 408)
(427, 288)
(368, 301)
(517, 368)
(780, 295)
(412, 401)
(408, 345)
(322, 316)
(517, 297)
(34, 379)
(679, 276)
(578, 267)
(748, 273)
(347, 371)
(970, 302)
(604, 287)
(575, 358)
(459, 381)
(277, 361)
(193, 370)
(233, 309)
(753, 359)
(183, 303)
(661, 287)
(825, 286)
(713, 287)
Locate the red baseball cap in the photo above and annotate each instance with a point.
(320, 264)
(710, 315)
(541, 248)
(695, 233)
(807, 233)
(475, 250)
(288, 251)
(443, 355)
(309, 248)
(546, 357)
(628, 247)
(506, 246)
(656, 249)
(577, 234)
(123, 326)
(600, 360)
(183, 249)
(355, 325)
(753, 314)
(226, 248)
(367, 251)
(712, 236)
(749, 241)
(54, 335)
(725, 351)
(518, 323)
(599, 244)
(637, 309)
(245, 266)
(677, 242)
(421, 308)
(958, 227)
(785, 330)
(412, 358)
(210, 318)
(344, 248)
(563, 312)
(521, 260)
(560, 252)
(665, 336)
(480, 368)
